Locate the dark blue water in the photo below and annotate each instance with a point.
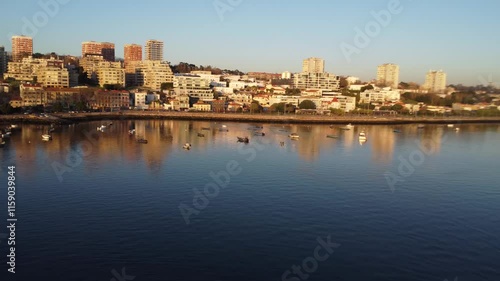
(416, 205)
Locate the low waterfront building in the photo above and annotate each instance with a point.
(36, 95)
(243, 98)
(180, 103)
(262, 99)
(234, 107)
(32, 95)
(139, 100)
(103, 100)
(218, 106)
(202, 106)
(276, 99)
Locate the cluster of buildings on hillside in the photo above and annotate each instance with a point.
(153, 85)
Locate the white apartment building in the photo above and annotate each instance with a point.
(139, 100)
(286, 99)
(238, 85)
(151, 74)
(207, 75)
(318, 81)
(110, 73)
(388, 75)
(351, 80)
(154, 50)
(344, 103)
(380, 95)
(313, 65)
(53, 77)
(286, 75)
(435, 81)
(27, 69)
(194, 86)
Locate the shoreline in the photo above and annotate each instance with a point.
(67, 118)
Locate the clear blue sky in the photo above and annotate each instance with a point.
(459, 37)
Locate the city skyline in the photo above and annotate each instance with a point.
(234, 38)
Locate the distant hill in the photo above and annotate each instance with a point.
(184, 67)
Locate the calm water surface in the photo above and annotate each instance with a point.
(422, 204)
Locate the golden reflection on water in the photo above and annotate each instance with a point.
(166, 136)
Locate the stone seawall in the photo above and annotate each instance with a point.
(67, 118)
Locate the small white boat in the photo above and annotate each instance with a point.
(101, 128)
(451, 125)
(187, 146)
(421, 126)
(457, 129)
(2, 143)
(46, 137)
(294, 136)
(131, 132)
(347, 127)
(362, 136)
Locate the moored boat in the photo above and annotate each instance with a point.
(451, 125)
(243, 140)
(332, 136)
(143, 141)
(200, 135)
(362, 136)
(46, 137)
(187, 146)
(294, 136)
(347, 127)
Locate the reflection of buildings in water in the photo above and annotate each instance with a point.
(308, 146)
(350, 137)
(382, 140)
(431, 140)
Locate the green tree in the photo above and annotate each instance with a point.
(397, 107)
(366, 106)
(368, 87)
(255, 107)
(113, 87)
(6, 108)
(58, 107)
(307, 104)
(337, 111)
(81, 106)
